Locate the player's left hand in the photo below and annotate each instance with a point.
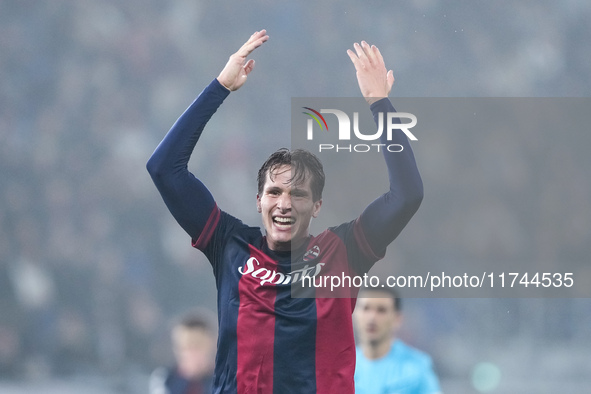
(374, 81)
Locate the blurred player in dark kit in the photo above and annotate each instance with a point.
(193, 342)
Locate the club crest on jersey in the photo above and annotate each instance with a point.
(312, 253)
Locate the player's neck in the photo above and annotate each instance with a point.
(294, 246)
(374, 351)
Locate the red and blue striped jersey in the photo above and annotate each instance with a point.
(270, 341)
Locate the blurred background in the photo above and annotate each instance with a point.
(93, 268)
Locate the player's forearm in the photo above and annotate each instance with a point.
(187, 198)
(405, 179)
(172, 155)
(385, 218)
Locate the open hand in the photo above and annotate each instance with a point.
(374, 81)
(237, 69)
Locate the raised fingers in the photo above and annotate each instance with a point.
(365, 55)
(377, 55)
(369, 52)
(249, 66)
(353, 57)
(255, 41)
(361, 53)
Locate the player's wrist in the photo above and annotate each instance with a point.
(223, 84)
(380, 105)
(372, 100)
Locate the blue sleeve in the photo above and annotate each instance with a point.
(186, 197)
(429, 381)
(385, 217)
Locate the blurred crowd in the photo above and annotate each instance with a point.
(92, 267)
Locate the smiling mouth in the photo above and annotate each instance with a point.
(285, 222)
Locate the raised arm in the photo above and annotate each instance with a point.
(385, 218)
(186, 197)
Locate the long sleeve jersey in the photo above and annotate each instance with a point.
(270, 341)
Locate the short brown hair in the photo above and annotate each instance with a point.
(389, 291)
(302, 162)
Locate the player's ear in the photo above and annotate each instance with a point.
(316, 210)
(259, 208)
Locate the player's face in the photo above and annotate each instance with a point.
(194, 351)
(286, 209)
(376, 319)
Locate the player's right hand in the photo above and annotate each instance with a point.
(237, 69)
